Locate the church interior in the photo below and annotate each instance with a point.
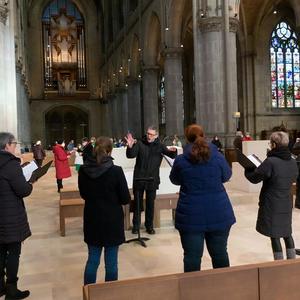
(82, 68)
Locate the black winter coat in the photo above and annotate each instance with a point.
(14, 225)
(277, 172)
(104, 189)
(148, 160)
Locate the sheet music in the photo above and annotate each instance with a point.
(28, 170)
(254, 159)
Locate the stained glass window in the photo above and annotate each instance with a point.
(161, 101)
(285, 67)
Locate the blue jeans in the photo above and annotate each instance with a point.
(193, 244)
(92, 264)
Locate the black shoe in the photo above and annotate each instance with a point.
(134, 230)
(297, 251)
(150, 231)
(12, 292)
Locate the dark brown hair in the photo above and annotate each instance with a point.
(200, 149)
(102, 148)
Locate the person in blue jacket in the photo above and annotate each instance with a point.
(204, 212)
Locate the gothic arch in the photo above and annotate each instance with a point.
(67, 122)
(152, 40)
(173, 38)
(134, 57)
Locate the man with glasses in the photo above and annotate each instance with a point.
(14, 227)
(148, 153)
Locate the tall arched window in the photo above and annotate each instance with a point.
(285, 67)
(64, 47)
(162, 105)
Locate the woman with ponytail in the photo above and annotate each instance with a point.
(204, 212)
(104, 188)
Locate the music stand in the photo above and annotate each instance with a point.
(140, 239)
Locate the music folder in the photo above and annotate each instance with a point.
(38, 173)
(248, 162)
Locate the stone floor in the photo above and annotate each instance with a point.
(52, 266)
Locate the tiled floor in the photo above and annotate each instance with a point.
(52, 266)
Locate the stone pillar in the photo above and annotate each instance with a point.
(112, 119)
(216, 76)
(122, 111)
(174, 91)
(150, 96)
(134, 107)
(8, 94)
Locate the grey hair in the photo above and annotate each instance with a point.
(5, 138)
(279, 138)
(152, 127)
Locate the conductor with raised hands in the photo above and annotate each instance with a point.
(148, 153)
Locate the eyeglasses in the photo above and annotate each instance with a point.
(14, 143)
(151, 134)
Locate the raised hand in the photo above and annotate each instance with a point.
(129, 140)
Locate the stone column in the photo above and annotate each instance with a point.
(112, 119)
(150, 96)
(216, 76)
(134, 107)
(8, 94)
(174, 91)
(122, 111)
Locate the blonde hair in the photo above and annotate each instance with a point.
(279, 138)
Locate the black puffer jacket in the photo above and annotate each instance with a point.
(104, 189)
(148, 160)
(14, 225)
(277, 172)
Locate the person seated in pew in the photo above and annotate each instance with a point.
(104, 188)
(204, 212)
(277, 172)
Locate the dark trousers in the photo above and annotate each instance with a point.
(39, 162)
(149, 213)
(193, 244)
(9, 261)
(276, 245)
(59, 184)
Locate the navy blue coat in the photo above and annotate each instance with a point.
(203, 203)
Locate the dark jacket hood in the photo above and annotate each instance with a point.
(94, 170)
(5, 157)
(280, 152)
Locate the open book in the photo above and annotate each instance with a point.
(32, 172)
(28, 169)
(248, 162)
(169, 160)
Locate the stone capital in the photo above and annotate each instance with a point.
(216, 24)
(132, 80)
(3, 11)
(151, 68)
(172, 52)
(212, 24)
(234, 25)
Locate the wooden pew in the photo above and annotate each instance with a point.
(71, 205)
(68, 208)
(276, 280)
(164, 201)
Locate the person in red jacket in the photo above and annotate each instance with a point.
(61, 163)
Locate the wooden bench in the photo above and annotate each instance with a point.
(71, 205)
(164, 201)
(276, 280)
(68, 208)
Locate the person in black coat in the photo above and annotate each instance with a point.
(148, 153)
(104, 188)
(87, 149)
(278, 171)
(14, 227)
